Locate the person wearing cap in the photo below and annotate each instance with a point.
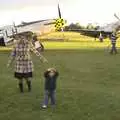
(23, 61)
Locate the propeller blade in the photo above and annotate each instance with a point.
(117, 16)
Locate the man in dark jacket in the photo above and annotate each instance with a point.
(50, 86)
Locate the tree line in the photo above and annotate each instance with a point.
(77, 26)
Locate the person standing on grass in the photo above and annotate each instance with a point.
(50, 75)
(23, 61)
(113, 39)
(38, 45)
(101, 37)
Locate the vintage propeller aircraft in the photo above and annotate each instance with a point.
(41, 26)
(7, 32)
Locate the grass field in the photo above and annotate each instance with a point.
(88, 88)
(71, 41)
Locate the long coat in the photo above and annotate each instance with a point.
(23, 61)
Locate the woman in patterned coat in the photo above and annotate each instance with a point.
(23, 61)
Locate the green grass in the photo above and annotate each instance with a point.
(71, 41)
(88, 87)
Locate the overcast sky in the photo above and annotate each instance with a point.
(82, 11)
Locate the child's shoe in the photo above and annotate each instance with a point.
(44, 106)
